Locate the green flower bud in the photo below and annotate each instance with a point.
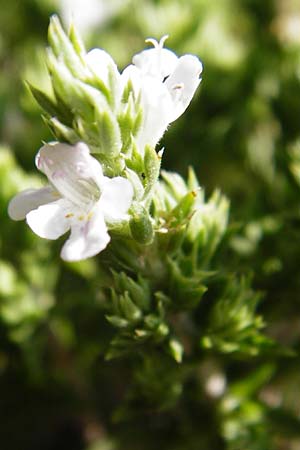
(141, 225)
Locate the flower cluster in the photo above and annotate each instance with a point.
(118, 116)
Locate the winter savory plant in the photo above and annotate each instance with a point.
(168, 295)
(118, 117)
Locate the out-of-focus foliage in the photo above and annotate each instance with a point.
(192, 374)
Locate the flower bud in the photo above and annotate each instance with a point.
(141, 226)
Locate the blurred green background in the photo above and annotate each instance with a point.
(242, 134)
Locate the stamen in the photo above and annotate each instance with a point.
(158, 45)
(56, 194)
(163, 40)
(90, 215)
(178, 86)
(153, 42)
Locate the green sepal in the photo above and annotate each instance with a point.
(54, 108)
(120, 346)
(60, 131)
(152, 321)
(192, 180)
(138, 290)
(186, 290)
(141, 225)
(63, 48)
(175, 184)
(125, 255)
(135, 161)
(129, 309)
(118, 322)
(125, 121)
(109, 136)
(137, 184)
(45, 102)
(77, 42)
(115, 303)
(152, 162)
(163, 302)
(183, 211)
(127, 91)
(208, 225)
(76, 94)
(98, 84)
(157, 326)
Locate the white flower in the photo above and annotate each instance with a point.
(164, 83)
(80, 198)
(167, 84)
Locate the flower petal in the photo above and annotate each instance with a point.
(50, 221)
(30, 199)
(157, 62)
(116, 198)
(183, 82)
(87, 238)
(157, 108)
(132, 74)
(73, 171)
(156, 103)
(100, 63)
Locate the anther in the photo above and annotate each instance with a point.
(178, 86)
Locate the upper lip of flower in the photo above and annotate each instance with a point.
(73, 172)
